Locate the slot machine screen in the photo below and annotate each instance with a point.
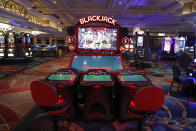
(97, 78)
(28, 40)
(140, 41)
(191, 49)
(83, 63)
(167, 44)
(23, 40)
(181, 43)
(2, 40)
(177, 46)
(140, 52)
(127, 47)
(97, 38)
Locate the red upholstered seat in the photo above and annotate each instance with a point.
(149, 98)
(140, 102)
(145, 101)
(43, 93)
(46, 95)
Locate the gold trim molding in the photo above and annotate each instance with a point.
(20, 10)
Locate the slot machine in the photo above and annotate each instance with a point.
(166, 45)
(179, 44)
(2, 45)
(11, 45)
(129, 46)
(176, 45)
(140, 43)
(29, 47)
(23, 42)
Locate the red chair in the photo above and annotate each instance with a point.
(144, 102)
(97, 104)
(47, 97)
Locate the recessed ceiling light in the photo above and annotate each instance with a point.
(120, 2)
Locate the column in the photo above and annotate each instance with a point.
(55, 41)
(43, 41)
(35, 40)
(50, 39)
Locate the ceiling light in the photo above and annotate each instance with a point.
(53, 1)
(120, 2)
(5, 27)
(35, 32)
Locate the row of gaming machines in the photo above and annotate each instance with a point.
(99, 81)
(15, 47)
(137, 45)
(175, 45)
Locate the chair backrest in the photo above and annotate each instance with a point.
(184, 60)
(136, 57)
(149, 98)
(176, 71)
(43, 93)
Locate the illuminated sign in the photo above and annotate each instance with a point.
(69, 39)
(72, 47)
(122, 49)
(140, 32)
(94, 18)
(161, 34)
(125, 40)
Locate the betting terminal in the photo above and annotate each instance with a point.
(95, 83)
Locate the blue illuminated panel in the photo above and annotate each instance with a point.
(109, 63)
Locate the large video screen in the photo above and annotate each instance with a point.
(97, 38)
(109, 63)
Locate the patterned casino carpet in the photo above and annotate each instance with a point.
(7, 68)
(16, 102)
(15, 98)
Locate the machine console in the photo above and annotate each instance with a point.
(97, 72)
(62, 75)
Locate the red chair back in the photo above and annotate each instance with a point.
(149, 98)
(43, 93)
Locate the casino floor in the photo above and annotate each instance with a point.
(97, 65)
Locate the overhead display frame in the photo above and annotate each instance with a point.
(88, 38)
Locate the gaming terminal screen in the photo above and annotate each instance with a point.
(140, 41)
(84, 63)
(97, 78)
(97, 38)
(167, 44)
(131, 78)
(62, 77)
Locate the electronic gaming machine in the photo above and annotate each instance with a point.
(179, 44)
(89, 84)
(166, 44)
(11, 45)
(96, 63)
(2, 45)
(140, 43)
(29, 47)
(130, 45)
